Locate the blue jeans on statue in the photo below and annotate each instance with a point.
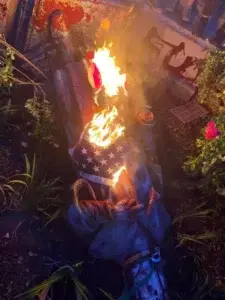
(214, 21)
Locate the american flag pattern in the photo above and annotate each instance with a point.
(99, 164)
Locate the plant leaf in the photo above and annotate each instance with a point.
(38, 289)
(27, 164)
(9, 187)
(33, 167)
(80, 288)
(18, 182)
(44, 294)
(221, 192)
(106, 294)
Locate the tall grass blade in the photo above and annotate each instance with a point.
(38, 289)
(9, 187)
(106, 294)
(52, 217)
(33, 168)
(21, 182)
(27, 163)
(80, 288)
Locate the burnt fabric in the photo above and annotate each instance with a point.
(98, 164)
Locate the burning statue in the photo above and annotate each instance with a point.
(122, 218)
(129, 224)
(128, 228)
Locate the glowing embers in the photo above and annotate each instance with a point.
(111, 76)
(105, 129)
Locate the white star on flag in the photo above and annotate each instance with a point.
(96, 168)
(110, 171)
(119, 149)
(111, 155)
(103, 162)
(84, 166)
(97, 152)
(117, 165)
(89, 160)
(84, 151)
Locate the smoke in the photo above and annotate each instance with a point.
(132, 54)
(136, 166)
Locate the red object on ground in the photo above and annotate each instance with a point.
(211, 132)
(145, 115)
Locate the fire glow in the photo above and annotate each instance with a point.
(116, 176)
(103, 128)
(112, 79)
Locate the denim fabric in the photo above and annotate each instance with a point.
(213, 23)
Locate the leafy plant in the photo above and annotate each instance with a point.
(19, 55)
(11, 190)
(64, 273)
(40, 193)
(200, 212)
(43, 114)
(189, 278)
(211, 82)
(106, 294)
(209, 161)
(6, 68)
(9, 74)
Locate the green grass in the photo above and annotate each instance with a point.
(42, 194)
(11, 189)
(41, 290)
(64, 273)
(200, 239)
(198, 212)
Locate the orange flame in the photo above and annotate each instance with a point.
(122, 184)
(116, 176)
(112, 79)
(103, 129)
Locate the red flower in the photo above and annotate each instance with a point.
(211, 132)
